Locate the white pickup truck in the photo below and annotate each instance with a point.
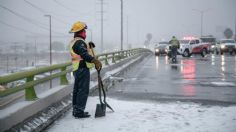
(189, 46)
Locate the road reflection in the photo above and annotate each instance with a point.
(157, 62)
(166, 59)
(188, 71)
(223, 67)
(235, 64)
(160, 60)
(213, 59)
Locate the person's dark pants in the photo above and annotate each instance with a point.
(174, 51)
(81, 90)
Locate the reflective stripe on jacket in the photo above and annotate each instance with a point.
(75, 58)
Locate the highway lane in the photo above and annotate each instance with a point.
(210, 80)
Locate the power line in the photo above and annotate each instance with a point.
(44, 36)
(36, 7)
(34, 22)
(23, 17)
(20, 29)
(71, 10)
(43, 11)
(64, 6)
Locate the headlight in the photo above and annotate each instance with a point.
(222, 46)
(213, 46)
(157, 50)
(166, 50)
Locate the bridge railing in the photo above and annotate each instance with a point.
(56, 71)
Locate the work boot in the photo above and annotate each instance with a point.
(74, 113)
(82, 115)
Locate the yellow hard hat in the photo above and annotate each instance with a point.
(78, 26)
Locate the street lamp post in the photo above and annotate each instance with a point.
(121, 37)
(235, 30)
(101, 26)
(50, 42)
(35, 51)
(16, 56)
(202, 13)
(127, 35)
(7, 63)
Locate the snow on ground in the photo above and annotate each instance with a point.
(132, 116)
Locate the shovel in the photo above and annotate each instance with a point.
(101, 108)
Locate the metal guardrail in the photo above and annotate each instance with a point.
(64, 68)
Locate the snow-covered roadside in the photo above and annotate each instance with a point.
(151, 117)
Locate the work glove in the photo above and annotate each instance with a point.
(97, 63)
(91, 45)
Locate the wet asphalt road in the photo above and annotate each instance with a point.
(209, 80)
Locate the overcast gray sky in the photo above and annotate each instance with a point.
(20, 20)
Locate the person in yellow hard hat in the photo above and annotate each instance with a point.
(82, 60)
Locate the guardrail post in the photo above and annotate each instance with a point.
(106, 61)
(113, 58)
(132, 52)
(123, 55)
(117, 57)
(63, 79)
(30, 94)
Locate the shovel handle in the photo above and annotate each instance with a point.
(99, 89)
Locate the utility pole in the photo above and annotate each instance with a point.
(50, 36)
(121, 36)
(102, 10)
(101, 26)
(127, 24)
(35, 51)
(16, 56)
(202, 13)
(50, 42)
(235, 29)
(7, 63)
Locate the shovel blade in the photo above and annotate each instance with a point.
(100, 110)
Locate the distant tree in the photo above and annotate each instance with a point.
(58, 46)
(148, 39)
(228, 33)
(149, 36)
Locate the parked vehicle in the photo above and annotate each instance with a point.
(192, 45)
(227, 45)
(212, 41)
(161, 48)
